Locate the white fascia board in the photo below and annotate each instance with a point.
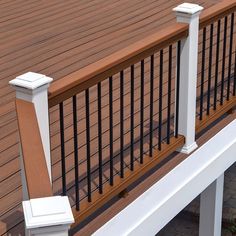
(152, 210)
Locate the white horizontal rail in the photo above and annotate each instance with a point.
(151, 211)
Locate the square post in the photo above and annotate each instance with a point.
(188, 13)
(33, 87)
(211, 204)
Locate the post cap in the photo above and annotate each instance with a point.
(30, 80)
(48, 211)
(188, 8)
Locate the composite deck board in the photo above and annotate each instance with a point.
(56, 38)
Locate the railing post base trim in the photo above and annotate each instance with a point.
(59, 230)
(48, 216)
(188, 149)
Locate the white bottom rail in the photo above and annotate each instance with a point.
(151, 211)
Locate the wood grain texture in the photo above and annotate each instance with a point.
(216, 12)
(57, 38)
(108, 66)
(36, 173)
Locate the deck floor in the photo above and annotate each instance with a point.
(56, 38)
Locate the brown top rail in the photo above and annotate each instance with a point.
(90, 75)
(217, 12)
(36, 173)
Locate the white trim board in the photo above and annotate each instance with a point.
(152, 210)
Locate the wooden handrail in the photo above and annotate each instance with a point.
(35, 167)
(216, 12)
(90, 75)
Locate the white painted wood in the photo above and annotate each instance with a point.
(211, 208)
(188, 8)
(48, 216)
(45, 231)
(30, 80)
(23, 177)
(151, 211)
(188, 13)
(33, 87)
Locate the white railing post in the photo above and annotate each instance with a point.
(48, 216)
(211, 205)
(33, 87)
(188, 13)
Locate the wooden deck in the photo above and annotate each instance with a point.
(56, 38)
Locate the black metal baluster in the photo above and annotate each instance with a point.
(132, 117)
(177, 91)
(99, 137)
(88, 144)
(111, 127)
(217, 63)
(141, 110)
(151, 105)
(63, 164)
(223, 62)
(210, 70)
(160, 101)
(202, 72)
(122, 124)
(169, 94)
(230, 54)
(74, 103)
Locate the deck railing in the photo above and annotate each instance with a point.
(115, 120)
(216, 70)
(120, 98)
